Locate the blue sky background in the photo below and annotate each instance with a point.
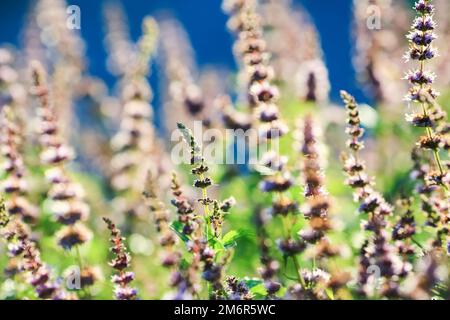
(205, 24)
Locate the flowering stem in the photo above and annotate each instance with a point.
(429, 129)
(206, 209)
(430, 134)
(287, 234)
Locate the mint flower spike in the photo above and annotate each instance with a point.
(189, 138)
(120, 262)
(421, 92)
(377, 249)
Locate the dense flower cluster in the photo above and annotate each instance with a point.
(121, 261)
(434, 177)
(185, 279)
(15, 185)
(405, 228)
(317, 206)
(68, 204)
(237, 289)
(256, 72)
(421, 49)
(377, 252)
(213, 216)
(37, 273)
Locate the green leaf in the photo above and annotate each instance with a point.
(177, 226)
(252, 282)
(184, 265)
(329, 293)
(218, 246)
(259, 291)
(229, 239)
(256, 287)
(282, 292)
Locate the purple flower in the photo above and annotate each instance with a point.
(290, 247)
(428, 53)
(277, 183)
(423, 7)
(123, 278)
(421, 39)
(125, 293)
(420, 77)
(424, 23)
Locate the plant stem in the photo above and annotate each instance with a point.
(299, 274)
(287, 235)
(87, 290)
(206, 209)
(430, 129)
(79, 258)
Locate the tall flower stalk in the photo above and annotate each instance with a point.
(120, 262)
(207, 242)
(316, 212)
(262, 95)
(161, 216)
(431, 117)
(15, 185)
(66, 197)
(421, 90)
(317, 206)
(376, 253)
(185, 279)
(318, 203)
(405, 228)
(20, 246)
